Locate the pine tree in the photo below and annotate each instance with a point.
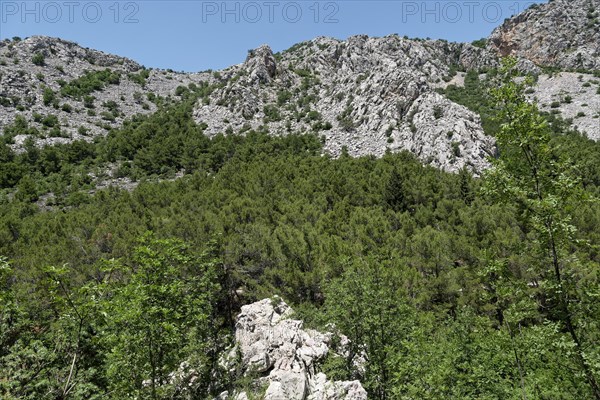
(394, 195)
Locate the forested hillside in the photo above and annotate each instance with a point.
(448, 286)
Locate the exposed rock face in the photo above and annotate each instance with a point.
(449, 133)
(560, 33)
(357, 94)
(286, 356)
(472, 57)
(575, 96)
(22, 85)
(365, 95)
(262, 64)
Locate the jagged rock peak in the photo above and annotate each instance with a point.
(286, 356)
(261, 64)
(560, 33)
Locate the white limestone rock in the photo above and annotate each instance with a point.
(285, 355)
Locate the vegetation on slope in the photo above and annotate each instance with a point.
(450, 290)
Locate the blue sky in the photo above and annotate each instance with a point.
(195, 35)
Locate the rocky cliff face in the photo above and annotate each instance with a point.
(561, 33)
(285, 356)
(364, 95)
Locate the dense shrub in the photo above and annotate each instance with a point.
(38, 59)
(445, 290)
(90, 82)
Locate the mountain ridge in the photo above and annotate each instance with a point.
(363, 95)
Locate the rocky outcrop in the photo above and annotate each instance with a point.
(285, 356)
(356, 94)
(449, 132)
(363, 95)
(261, 64)
(23, 83)
(560, 33)
(359, 95)
(477, 58)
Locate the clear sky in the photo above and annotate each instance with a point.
(194, 35)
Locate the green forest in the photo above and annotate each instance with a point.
(454, 286)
